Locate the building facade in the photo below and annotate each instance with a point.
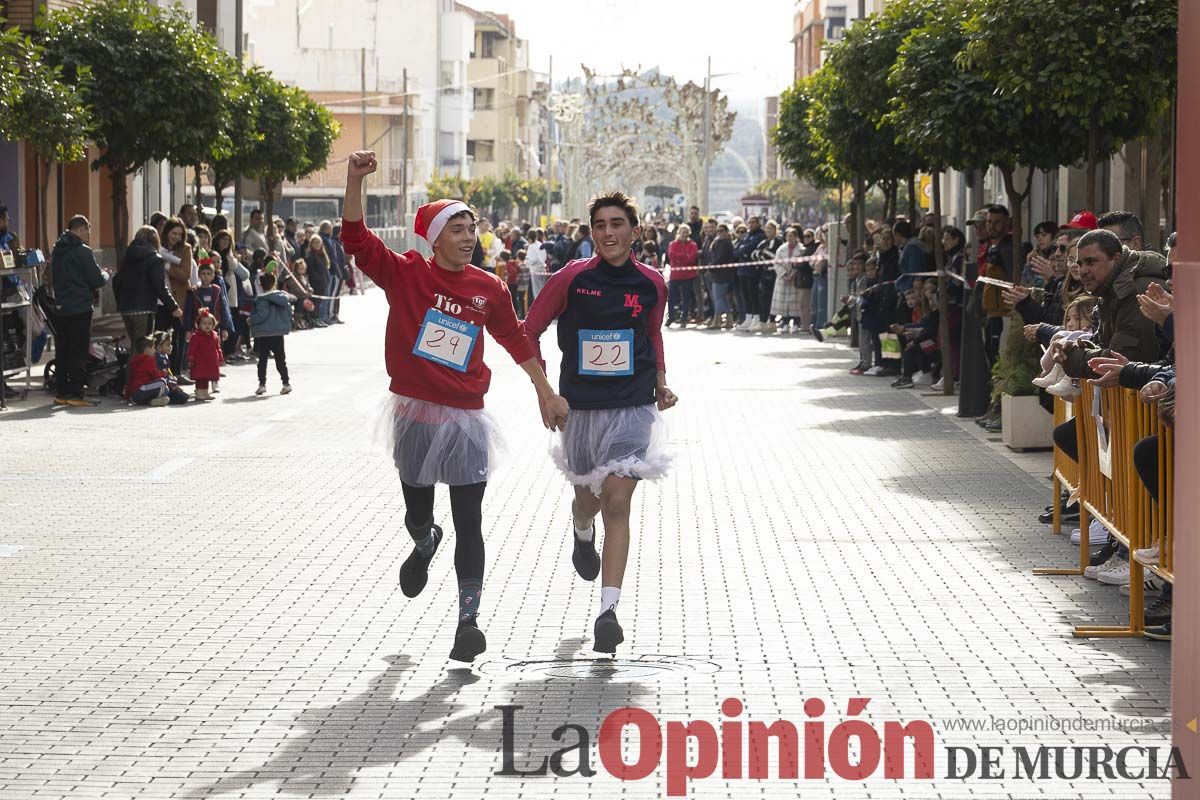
(503, 136)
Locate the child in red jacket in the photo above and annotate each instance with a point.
(204, 353)
(146, 384)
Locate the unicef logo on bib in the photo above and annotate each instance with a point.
(446, 340)
(606, 353)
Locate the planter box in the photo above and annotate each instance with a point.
(1026, 425)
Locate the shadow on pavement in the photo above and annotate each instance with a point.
(377, 729)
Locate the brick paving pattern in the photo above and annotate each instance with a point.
(202, 602)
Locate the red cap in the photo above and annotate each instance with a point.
(1085, 220)
(432, 217)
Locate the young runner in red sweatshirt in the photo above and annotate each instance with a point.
(433, 349)
(610, 311)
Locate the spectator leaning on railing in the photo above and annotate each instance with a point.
(1116, 275)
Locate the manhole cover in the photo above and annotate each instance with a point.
(648, 666)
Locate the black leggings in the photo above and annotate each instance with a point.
(1145, 461)
(1065, 438)
(466, 507)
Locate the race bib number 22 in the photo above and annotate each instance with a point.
(606, 353)
(446, 340)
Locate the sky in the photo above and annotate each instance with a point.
(754, 46)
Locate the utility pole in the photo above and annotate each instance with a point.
(237, 186)
(550, 146)
(404, 156)
(703, 199)
(362, 94)
(437, 97)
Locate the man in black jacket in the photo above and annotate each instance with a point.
(77, 277)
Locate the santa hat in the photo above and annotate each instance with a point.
(432, 217)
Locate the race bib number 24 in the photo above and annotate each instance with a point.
(606, 353)
(446, 340)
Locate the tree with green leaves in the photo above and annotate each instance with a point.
(46, 113)
(797, 137)
(154, 77)
(225, 167)
(293, 136)
(1108, 72)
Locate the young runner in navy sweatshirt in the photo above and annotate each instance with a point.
(434, 354)
(610, 310)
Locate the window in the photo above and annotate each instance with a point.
(481, 149)
(485, 99)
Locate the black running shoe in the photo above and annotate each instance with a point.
(816, 333)
(1160, 632)
(414, 572)
(469, 641)
(1102, 555)
(608, 633)
(1067, 512)
(584, 557)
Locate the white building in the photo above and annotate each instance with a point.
(342, 51)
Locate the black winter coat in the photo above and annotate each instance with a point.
(141, 282)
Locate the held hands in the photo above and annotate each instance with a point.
(554, 411)
(1031, 333)
(1153, 391)
(1156, 304)
(665, 397)
(187, 336)
(1108, 368)
(177, 313)
(361, 163)
(224, 336)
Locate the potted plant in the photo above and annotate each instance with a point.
(1025, 425)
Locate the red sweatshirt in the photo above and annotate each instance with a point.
(433, 346)
(142, 369)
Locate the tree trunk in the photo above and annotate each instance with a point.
(219, 195)
(1015, 202)
(120, 213)
(939, 257)
(196, 191)
(269, 215)
(914, 210)
(42, 178)
(1091, 168)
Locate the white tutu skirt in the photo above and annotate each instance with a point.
(432, 443)
(628, 442)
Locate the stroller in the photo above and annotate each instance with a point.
(106, 360)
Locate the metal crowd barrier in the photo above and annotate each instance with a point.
(1111, 491)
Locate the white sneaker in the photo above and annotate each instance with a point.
(1052, 377)
(1147, 556)
(1097, 535)
(744, 326)
(1115, 576)
(160, 401)
(920, 379)
(757, 327)
(1064, 388)
(287, 389)
(1091, 573)
(262, 389)
(874, 371)
(939, 386)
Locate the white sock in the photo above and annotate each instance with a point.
(609, 597)
(585, 534)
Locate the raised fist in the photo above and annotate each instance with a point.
(360, 163)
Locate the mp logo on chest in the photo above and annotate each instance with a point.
(634, 303)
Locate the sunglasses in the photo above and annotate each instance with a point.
(1062, 248)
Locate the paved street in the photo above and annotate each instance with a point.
(202, 601)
